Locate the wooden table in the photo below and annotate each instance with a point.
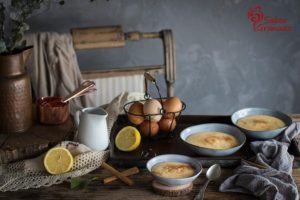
(118, 190)
(141, 190)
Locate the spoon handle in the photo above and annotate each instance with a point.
(200, 194)
(84, 88)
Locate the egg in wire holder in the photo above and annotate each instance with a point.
(174, 116)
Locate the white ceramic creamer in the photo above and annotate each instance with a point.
(92, 127)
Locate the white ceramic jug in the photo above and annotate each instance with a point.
(92, 127)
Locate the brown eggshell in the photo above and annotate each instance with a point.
(167, 125)
(172, 105)
(148, 129)
(136, 108)
(152, 107)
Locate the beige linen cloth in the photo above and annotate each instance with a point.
(53, 67)
(32, 174)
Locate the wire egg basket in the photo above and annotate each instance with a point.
(156, 125)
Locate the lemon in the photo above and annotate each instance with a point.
(58, 160)
(128, 139)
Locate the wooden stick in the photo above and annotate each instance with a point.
(128, 172)
(254, 164)
(118, 174)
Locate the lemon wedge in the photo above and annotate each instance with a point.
(128, 139)
(58, 160)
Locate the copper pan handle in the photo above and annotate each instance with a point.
(85, 88)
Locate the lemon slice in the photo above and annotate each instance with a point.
(128, 139)
(58, 160)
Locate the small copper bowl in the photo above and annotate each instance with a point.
(52, 111)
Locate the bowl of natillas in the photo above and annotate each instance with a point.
(172, 159)
(227, 131)
(260, 123)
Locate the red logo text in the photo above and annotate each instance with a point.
(262, 23)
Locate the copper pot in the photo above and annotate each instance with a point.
(15, 90)
(56, 110)
(52, 110)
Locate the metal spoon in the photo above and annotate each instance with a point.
(213, 173)
(83, 89)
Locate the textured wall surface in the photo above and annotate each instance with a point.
(222, 65)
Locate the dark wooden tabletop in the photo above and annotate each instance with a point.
(118, 190)
(140, 190)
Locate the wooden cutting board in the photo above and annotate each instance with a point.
(38, 139)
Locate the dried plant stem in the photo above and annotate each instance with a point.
(254, 164)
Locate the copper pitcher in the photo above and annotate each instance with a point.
(15, 93)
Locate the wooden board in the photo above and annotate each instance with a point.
(34, 141)
(98, 37)
(174, 191)
(166, 145)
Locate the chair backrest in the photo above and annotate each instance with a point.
(111, 82)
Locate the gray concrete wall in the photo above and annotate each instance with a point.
(222, 65)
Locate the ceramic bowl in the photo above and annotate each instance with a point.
(262, 135)
(174, 158)
(240, 136)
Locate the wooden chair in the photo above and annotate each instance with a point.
(113, 36)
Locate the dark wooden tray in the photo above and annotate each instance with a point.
(33, 142)
(165, 145)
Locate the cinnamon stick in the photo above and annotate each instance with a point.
(128, 172)
(118, 174)
(254, 164)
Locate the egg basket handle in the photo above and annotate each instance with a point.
(149, 77)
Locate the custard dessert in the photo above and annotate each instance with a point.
(213, 140)
(260, 123)
(173, 170)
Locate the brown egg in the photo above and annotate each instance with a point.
(136, 108)
(167, 125)
(172, 105)
(152, 106)
(148, 129)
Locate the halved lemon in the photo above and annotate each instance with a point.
(128, 139)
(58, 160)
